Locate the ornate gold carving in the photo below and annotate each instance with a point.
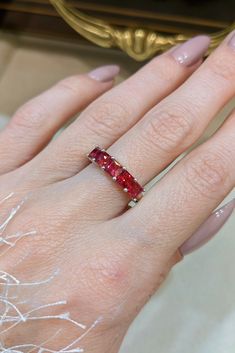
(139, 43)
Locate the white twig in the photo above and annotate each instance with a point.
(11, 303)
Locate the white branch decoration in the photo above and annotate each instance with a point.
(11, 314)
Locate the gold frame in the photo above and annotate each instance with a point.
(139, 43)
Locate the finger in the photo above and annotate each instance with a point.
(186, 196)
(35, 123)
(116, 111)
(170, 127)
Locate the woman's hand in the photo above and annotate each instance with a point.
(72, 255)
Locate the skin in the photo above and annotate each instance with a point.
(80, 215)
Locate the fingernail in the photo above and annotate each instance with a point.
(104, 73)
(231, 42)
(192, 51)
(208, 229)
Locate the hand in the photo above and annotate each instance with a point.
(76, 266)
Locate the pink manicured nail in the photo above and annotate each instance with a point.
(192, 51)
(208, 229)
(231, 42)
(104, 73)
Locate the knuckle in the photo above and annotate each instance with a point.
(107, 118)
(71, 84)
(169, 128)
(109, 271)
(110, 275)
(165, 67)
(208, 173)
(29, 117)
(223, 66)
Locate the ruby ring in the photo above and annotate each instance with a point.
(118, 173)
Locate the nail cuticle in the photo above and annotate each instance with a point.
(190, 52)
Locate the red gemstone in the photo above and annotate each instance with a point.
(136, 190)
(95, 153)
(103, 159)
(127, 181)
(113, 168)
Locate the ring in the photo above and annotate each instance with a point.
(118, 173)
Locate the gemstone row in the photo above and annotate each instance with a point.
(117, 172)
